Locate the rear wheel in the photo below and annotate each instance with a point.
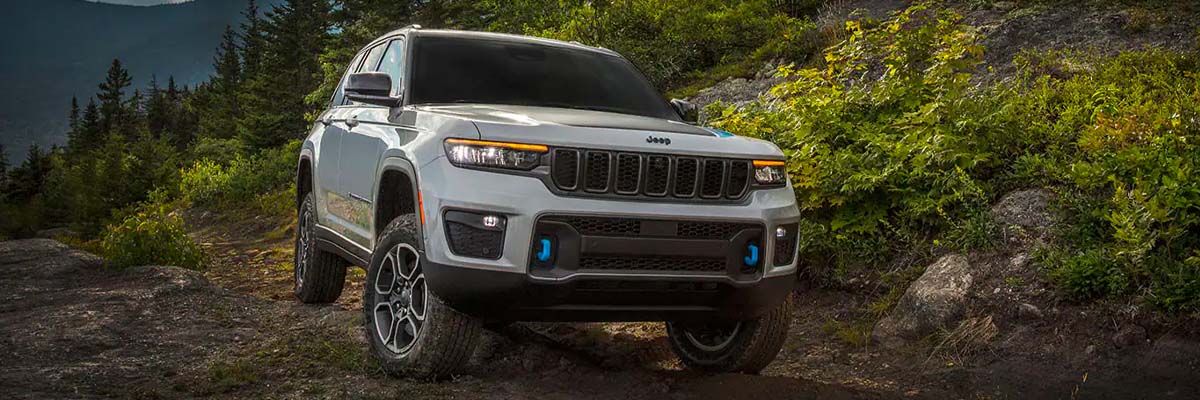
(742, 346)
(409, 329)
(319, 275)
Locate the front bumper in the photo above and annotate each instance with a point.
(510, 286)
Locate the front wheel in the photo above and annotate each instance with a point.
(409, 329)
(742, 346)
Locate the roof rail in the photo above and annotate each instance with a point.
(415, 26)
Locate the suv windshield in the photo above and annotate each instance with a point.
(475, 70)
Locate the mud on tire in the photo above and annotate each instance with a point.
(410, 331)
(746, 346)
(318, 275)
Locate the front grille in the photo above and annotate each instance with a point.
(652, 175)
(624, 227)
(674, 264)
(567, 177)
(596, 171)
(620, 244)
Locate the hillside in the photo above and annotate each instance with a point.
(55, 49)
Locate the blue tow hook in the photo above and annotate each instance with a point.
(543, 255)
(752, 259)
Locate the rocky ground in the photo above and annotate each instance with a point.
(972, 326)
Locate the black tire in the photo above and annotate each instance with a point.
(318, 275)
(441, 342)
(746, 346)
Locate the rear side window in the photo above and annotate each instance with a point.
(393, 64)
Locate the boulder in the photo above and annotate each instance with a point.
(1025, 216)
(935, 300)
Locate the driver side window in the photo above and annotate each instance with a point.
(393, 64)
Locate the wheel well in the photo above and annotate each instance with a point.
(395, 198)
(303, 181)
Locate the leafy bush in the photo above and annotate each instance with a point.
(886, 144)
(893, 146)
(668, 39)
(242, 181)
(152, 236)
(1119, 138)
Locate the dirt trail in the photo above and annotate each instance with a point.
(73, 329)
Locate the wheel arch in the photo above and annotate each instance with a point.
(304, 176)
(397, 195)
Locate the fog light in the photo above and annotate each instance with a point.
(491, 221)
(780, 232)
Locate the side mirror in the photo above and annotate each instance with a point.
(371, 88)
(688, 111)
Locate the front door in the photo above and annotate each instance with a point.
(363, 146)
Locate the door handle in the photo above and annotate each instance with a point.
(352, 121)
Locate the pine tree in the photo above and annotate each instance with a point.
(89, 126)
(29, 178)
(253, 39)
(73, 124)
(3, 173)
(221, 110)
(181, 125)
(157, 112)
(111, 95)
(273, 102)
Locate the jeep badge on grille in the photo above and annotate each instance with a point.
(664, 141)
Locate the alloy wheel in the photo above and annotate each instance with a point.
(400, 299)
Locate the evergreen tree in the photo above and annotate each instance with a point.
(157, 112)
(253, 39)
(181, 124)
(89, 127)
(29, 178)
(73, 118)
(221, 110)
(73, 125)
(273, 102)
(111, 95)
(3, 173)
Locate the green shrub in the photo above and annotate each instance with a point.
(886, 144)
(1092, 274)
(669, 39)
(152, 236)
(241, 182)
(893, 146)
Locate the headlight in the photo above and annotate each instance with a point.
(768, 172)
(480, 153)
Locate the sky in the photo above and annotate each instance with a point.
(140, 2)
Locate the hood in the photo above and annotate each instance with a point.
(602, 130)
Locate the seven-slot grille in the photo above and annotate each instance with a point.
(653, 175)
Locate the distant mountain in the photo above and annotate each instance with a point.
(51, 50)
